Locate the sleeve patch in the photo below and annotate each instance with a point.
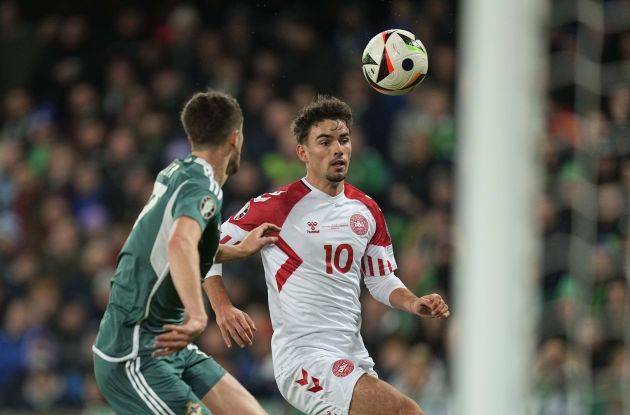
(207, 207)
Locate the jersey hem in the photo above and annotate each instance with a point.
(132, 355)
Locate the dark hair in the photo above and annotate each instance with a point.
(323, 107)
(209, 117)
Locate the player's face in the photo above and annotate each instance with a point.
(327, 150)
(235, 158)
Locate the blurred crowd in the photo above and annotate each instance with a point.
(89, 115)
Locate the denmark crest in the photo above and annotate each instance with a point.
(358, 224)
(342, 368)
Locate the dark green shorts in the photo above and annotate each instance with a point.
(164, 386)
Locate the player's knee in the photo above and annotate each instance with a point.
(408, 407)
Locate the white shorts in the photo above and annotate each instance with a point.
(322, 385)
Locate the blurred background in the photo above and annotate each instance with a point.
(90, 95)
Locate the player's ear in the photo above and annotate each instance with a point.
(301, 153)
(233, 139)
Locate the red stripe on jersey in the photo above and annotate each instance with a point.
(381, 267)
(225, 239)
(389, 266)
(272, 207)
(370, 265)
(289, 266)
(381, 234)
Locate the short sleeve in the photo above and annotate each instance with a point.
(379, 256)
(230, 235)
(257, 211)
(196, 201)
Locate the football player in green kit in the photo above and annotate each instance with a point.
(144, 360)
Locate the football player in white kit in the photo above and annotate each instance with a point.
(332, 236)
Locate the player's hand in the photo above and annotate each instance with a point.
(236, 324)
(431, 306)
(258, 238)
(178, 336)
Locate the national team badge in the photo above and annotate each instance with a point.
(342, 368)
(358, 224)
(207, 207)
(193, 408)
(241, 213)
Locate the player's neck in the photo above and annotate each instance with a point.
(218, 162)
(325, 185)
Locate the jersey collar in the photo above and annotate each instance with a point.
(324, 195)
(204, 163)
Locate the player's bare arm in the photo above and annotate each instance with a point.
(231, 320)
(183, 258)
(257, 239)
(233, 323)
(428, 306)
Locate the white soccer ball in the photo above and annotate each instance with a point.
(395, 62)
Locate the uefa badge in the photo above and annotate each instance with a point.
(207, 207)
(358, 224)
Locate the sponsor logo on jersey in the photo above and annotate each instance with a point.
(358, 224)
(312, 227)
(241, 213)
(335, 226)
(207, 207)
(342, 368)
(303, 381)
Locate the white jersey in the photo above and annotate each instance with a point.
(326, 246)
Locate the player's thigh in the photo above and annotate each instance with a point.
(117, 389)
(228, 396)
(372, 396)
(145, 386)
(219, 391)
(200, 371)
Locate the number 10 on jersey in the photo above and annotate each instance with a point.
(333, 257)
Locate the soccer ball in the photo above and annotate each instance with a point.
(395, 62)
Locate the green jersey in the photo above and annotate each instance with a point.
(143, 297)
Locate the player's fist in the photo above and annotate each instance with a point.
(236, 324)
(431, 306)
(258, 238)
